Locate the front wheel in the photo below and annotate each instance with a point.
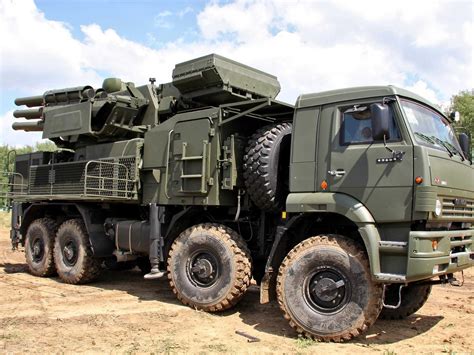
(209, 267)
(325, 290)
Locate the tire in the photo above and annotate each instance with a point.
(313, 268)
(73, 254)
(413, 298)
(39, 246)
(225, 267)
(266, 166)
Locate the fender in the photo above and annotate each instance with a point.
(326, 202)
(346, 206)
(330, 202)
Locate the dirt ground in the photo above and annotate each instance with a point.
(122, 313)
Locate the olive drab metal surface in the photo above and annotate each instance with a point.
(212, 180)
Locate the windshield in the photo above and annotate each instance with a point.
(430, 128)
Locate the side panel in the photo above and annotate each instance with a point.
(181, 161)
(303, 161)
(386, 188)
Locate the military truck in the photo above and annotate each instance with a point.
(347, 206)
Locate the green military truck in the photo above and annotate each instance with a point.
(347, 206)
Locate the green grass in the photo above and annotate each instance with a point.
(4, 219)
(303, 342)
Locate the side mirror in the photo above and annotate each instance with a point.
(380, 116)
(465, 144)
(455, 116)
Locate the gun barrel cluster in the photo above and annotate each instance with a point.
(30, 101)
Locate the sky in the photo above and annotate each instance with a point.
(426, 46)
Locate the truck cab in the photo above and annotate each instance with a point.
(414, 183)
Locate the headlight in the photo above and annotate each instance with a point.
(438, 208)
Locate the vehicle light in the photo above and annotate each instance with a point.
(434, 244)
(438, 208)
(324, 185)
(283, 215)
(418, 180)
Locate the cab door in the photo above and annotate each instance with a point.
(361, 167)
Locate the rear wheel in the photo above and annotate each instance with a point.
(209, 267)
(73, 254)
(325, 290)
(39, 245)
(413, 298)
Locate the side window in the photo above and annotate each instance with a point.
(356, 127)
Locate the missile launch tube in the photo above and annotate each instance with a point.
(31, 126)
(30, 101)
(29, 114)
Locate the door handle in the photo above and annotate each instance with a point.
(337, 173)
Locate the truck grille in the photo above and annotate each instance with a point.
(457, 208)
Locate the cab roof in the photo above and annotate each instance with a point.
(355, 93)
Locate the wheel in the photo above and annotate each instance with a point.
(413, 298)
(209, 267)
(73, 254)
(266, 166)
(325, 290)
(39, 245)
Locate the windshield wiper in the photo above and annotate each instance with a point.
(443, 143)
(456, 150)
(426, 138)
(435, 140)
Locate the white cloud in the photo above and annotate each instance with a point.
(38, 53)
(421, 88)
(15, 138)
(185, 11)
(310, 45)
(162, 20)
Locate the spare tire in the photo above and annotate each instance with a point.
(266, 166)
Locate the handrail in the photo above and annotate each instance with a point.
(12, 186)
(168, 163)
(102, 179)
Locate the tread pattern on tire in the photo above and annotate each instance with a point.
(350, 247)
(242, 260)
(265, 194)
(91, 267)
(417, 301)
(51, 226)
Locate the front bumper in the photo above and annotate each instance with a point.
(433, 253)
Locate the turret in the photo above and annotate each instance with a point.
(82, 115)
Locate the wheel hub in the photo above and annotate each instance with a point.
(203, 269)
(70, 253)
(38, 250)
(327, 291)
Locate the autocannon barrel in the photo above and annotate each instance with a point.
(29, 113)
(30, 101)
(31, 126)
